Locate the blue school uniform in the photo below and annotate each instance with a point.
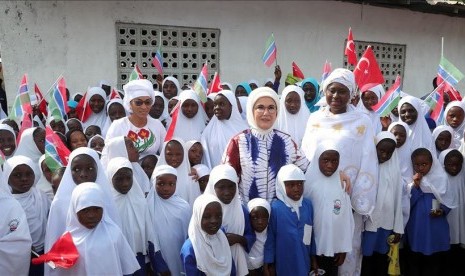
(426, 234)
(284, 245)
(249, 233)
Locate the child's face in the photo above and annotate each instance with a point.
(133, 154)
(122, 180)
(58, 126)
(7, 142)
(56, 179)
(116, 111)
(83, 169)
(91, 131)
(97, 144)
(408, 114)
(157, 108)
(369, 99)
(39, 139)
(309, 89)
(453, 164)
(384, 149)
(46, 171)
(148, 164)
(212, 218)
(259, 219)
(422, 164)
(225, 190)
(169, 89)
(73, 125)
(96, 103)
(222, 107)
(455, 116)
(21, 179)
(328, 162)
(195, 154)
(77, 139)
(203, 181)
(165, 185)
(174, 154)
(400, 134)
(294, 189)
(171, 105)
(443, 141)
(292, 102)
(90, 217)
(189, 108)
(209, 108)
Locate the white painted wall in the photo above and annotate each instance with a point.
(77, 38)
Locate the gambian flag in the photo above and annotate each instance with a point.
(63, 253)
(136, 74)
(270, 51)
(390, 100)
(157, 61)
(448, 72)
(22, 103)
(326, 71)
(58, 105)
(174, 120)
(438, 112)
(201, 84)
(56, 153)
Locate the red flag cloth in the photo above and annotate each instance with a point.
(83, 109)
(25, 124)
(350, 49)
(114, 94)
(367, 69)
(61, 149)
(40, 100)
(62, 93)
(454, 95)
(215, 86)
(63, 253)
(174, 119)
(296, 72)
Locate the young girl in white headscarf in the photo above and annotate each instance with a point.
(191, 117)
(371, 94)
(115, 110)
(454, 117)
(333, 222)
(236, 222)
(22, 174)
(259, 212)
(226, 123)
(206, 251)
(8, 141)
(32, 144)
(170, 216)
(96, 98)
(292, 214)
(137, 226)
(45, 181)
(443, 138)
(294, 113)
(102, 247)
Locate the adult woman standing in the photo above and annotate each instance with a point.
(259, 152)
(147, 133)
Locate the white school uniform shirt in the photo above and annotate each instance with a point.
(256, 254)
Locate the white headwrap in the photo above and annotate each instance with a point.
(97, 119)
(164, 115)
(227, 84)
(375, 119)
(217, 134)
(170, 219)
(27, 146)
(292, 124)
(243, 101)
(9, 129)
(333, 222)
(43, 184)
(94, 137)
(256, 254)
(34, 202)
(202, 170)
(253, 98)
(105, 239)
(108, 121)
(212, 252)
(233, 215)
(135, 89)
(174, 80)
(288, 173)
(342, 76)
(190, 128)
(458, 131)
(454, 143)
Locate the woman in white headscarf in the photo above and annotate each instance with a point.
(203, 252)
(103, 249)
(146, 133)
(294, 113)
(32, 144)
(8, 143)
(352, 131)
(454, 117)
(96, 99)
(259, 152)
(170, 218)
(371, 94)
(226, 123)
(236, 220)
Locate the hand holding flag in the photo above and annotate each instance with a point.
(63, 253)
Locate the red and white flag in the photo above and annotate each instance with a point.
(215, 85)
(367, 69)
(350, 49)
(296, 72)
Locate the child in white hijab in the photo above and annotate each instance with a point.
(259, 211)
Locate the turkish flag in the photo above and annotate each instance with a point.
(350, 49)
(83, 109)
(114, 94)
(296, 72)
(367, 69)
(63, 253)
(40, 100)
(215, 85)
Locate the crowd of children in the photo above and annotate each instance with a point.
(253, 182)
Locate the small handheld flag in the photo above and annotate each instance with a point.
(367, 69)
(157, 61)
(174, 120)
(40, 99)
(22, 103)
(350, 49)
(448, 72)
(58, 105)
(114, 94)
(201, 84)
(390, 100)
(215, 84)
(296, 72)
(438, 112)
(63, 253)
(326, 71)
(136, 74)
(56, 153)
(269, 57)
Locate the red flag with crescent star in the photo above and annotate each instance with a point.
(367, 69)
(350, 49)
(215, 86)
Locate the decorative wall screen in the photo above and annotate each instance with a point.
(184, 51)
(390, 57)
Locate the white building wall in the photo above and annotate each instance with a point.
(78, 38)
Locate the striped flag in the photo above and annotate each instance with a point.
(438, 112)
(448, 72)
(174, 120)
(270, 51)
(326, 71)
(58, 105)
(201, 84)
(22, 103)
(157, 61)
(136, 74)
(390, 100)
(114, 94)
(56, 153)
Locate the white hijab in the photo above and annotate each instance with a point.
(27, 146)
(454, 143)
(9, 129)
(212, 252)
(217, 134)
(43, 184)
(133, 210)
(34, 202)
(375, 119)
(253, 98)
(233, 215)
(103, 250)
(256, 254)
(170, 219)
(190, 129)
(116, 147)
(333, 222)
(458, 131)
(292, 124)
(97, 119)
(108, 120)
(165, 115)
(287, 173)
